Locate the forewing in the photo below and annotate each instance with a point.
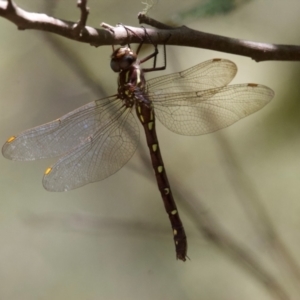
(206, 75)
(97, 157)
(59, 136)
(200, 112)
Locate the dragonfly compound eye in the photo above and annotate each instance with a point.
(123, 63)
(115, 66)
(127, 61)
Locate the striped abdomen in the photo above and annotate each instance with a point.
(146, 116)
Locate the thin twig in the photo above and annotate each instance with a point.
(144, 19)
(78, 28)
(180, 36)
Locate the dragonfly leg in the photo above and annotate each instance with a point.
(154, 54)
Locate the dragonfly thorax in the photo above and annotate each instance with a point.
(131, 81)
(126, 92)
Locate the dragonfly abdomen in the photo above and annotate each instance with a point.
(147, 118)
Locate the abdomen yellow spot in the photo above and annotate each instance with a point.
(150, 125)
(160, 169)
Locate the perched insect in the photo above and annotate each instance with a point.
(97, 139)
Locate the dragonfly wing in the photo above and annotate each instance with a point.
(206, 75)
(59, 136)
(201, 112)
(99, 156)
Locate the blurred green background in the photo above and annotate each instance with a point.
(112, 239)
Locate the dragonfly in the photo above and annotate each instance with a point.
(97, 139)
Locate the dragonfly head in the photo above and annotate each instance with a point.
(122, 59)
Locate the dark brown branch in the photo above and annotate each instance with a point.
(180, 36)
(255, 50)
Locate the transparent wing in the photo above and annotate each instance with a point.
(200, 112)
(59, 136)
(206, 75)
(97, 157)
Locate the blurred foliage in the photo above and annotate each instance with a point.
(210, 8)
